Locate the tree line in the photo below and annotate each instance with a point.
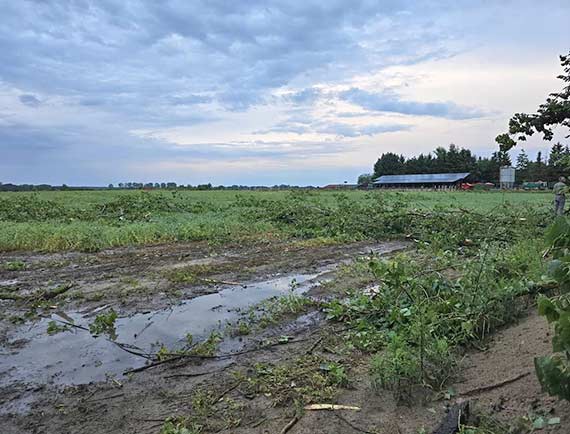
(482, 169)
(147, 186)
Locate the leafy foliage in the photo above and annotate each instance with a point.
(425, 306)
(555, 111)
(554, 371)
(54, 328)
(305, 380)
(104, 323)
(14, 265)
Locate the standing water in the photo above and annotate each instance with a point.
(76, 357)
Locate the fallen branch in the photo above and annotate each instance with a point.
(197, 374)
(290, 425)
(331, 407)
(127, 348)
(10, 296)
(179, 357)
(315, 344)
(494, 386)
(70, 324)
(48, 295)
(220, 282)
(228, 390)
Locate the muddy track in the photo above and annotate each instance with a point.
(122, 276)
(140, 402)
(32, 370)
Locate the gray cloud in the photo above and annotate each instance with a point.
(392, 103)
(109, 67)
(29, 100)
(305, 123)
(149, 50)
(345, 130)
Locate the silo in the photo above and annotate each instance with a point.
(507, 177)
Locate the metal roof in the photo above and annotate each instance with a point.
(427, 178)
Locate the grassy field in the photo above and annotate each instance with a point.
(474, 263)
(92, 220)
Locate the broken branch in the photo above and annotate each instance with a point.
(495, 385)
(290, 425)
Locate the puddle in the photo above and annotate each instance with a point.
(32, 359)
(75, 357)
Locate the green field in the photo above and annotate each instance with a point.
(92, 220)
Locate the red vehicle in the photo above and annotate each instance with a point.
(466, 186)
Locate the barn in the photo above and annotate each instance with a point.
(426, 180)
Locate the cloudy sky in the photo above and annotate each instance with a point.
(262, 92)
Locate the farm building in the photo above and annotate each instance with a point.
(428, 180)
(340, 187)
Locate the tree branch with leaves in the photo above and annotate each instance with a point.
(555, 111)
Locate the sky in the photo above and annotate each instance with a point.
(300, 92)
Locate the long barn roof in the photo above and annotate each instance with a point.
(428, 178)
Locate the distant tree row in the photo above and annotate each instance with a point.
(38, 187)
(482, 169)
(209, 186)
(148, 186)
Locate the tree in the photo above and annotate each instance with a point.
(522, 166)
(555, 111)
(538, 171)
(486, 170)
(110, 186)
(522, 161)
(389, 164)
(365, 179)
(502, 158)
(556, 155)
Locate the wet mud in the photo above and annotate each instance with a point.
(153, 308)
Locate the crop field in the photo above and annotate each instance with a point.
(188, 312)
(92, 220)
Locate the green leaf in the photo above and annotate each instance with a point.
(554, 421)
(557, 235)
(539, 423)
(548, 309)
(554, 375)
(561, 340)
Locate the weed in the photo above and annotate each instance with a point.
(130, 281)
(14, 265)
(417, 318)
(242, 328)
(54, 328)
(104, 323)
(208, 347)
(336, 372)
(179, 425)
(303, 380)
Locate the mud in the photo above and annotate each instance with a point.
(72, 383)
(76, 357)
(154, 310)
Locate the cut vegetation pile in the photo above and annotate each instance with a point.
(41, 223)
